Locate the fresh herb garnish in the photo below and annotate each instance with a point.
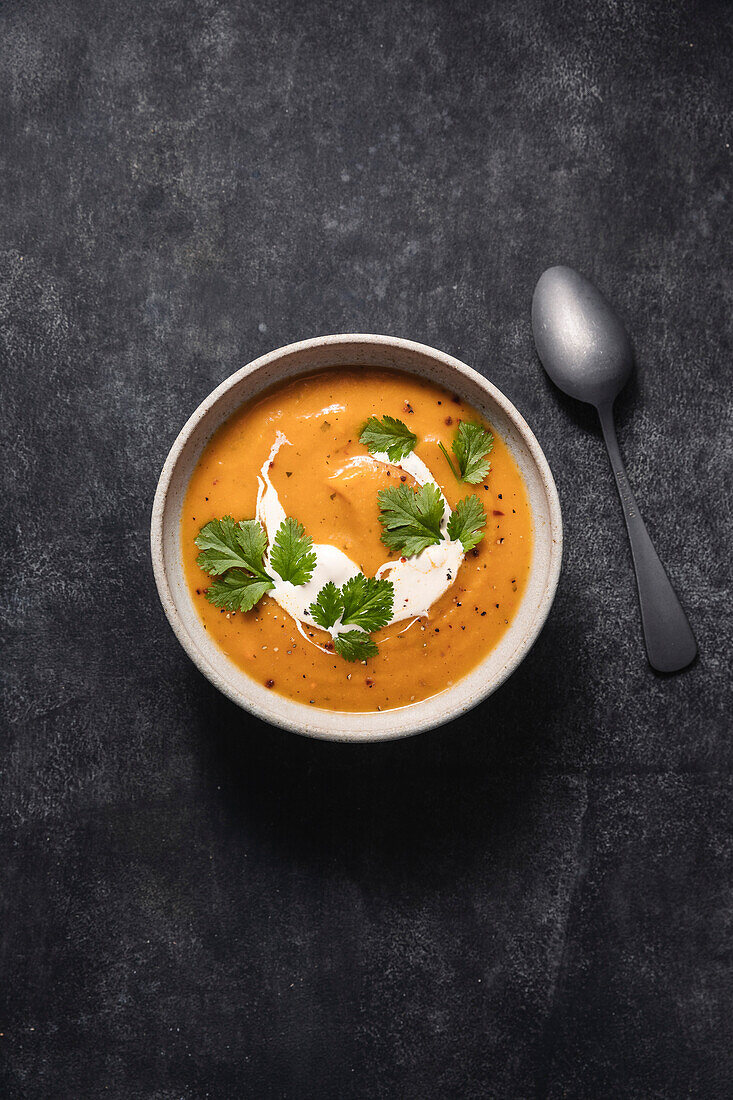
(471, 445)
(354, 645)
(238, 551)
(367, 602)
(292, 555)
(411, 517)
(466, 521)
(328, 606)
(388, 436)
(237, 591)
(225, 544)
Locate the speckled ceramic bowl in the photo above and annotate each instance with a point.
(369, 351)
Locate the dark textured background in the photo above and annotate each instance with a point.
(536, 900)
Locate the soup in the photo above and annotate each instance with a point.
(373, 502)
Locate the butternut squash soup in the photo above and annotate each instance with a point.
(356, 539)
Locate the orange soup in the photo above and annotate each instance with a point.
(297, 448)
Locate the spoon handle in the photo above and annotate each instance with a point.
(670, 643)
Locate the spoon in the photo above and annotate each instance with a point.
(586, 351)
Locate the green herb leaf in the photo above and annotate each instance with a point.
(388, 436)
(411, 517)
(237, 591)
(367, 602)
(466, 521)
(292, 555)
(354, 645)
(225, 544)
(253, 541)
(471, 445)
(328, 606)
(363, 601)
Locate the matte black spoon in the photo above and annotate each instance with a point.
(586, 351)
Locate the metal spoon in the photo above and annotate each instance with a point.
(586, 351)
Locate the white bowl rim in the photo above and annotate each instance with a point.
(310, 726)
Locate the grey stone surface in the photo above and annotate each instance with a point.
(536, 900)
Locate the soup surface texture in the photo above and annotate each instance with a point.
(324, 479)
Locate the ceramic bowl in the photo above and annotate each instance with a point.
(369, 351)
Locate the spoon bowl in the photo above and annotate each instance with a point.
(580, 339)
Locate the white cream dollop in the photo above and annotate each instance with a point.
(418, 581)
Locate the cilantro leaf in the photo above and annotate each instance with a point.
(354, 645)
(237, 591)
(388, 436)
(292, 554)
(466, 521)
(411, 517)
(253, 541)
(367, 602)
(328, 606)
(225, 544)
(471, 445)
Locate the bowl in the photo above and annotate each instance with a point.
(388, 353)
